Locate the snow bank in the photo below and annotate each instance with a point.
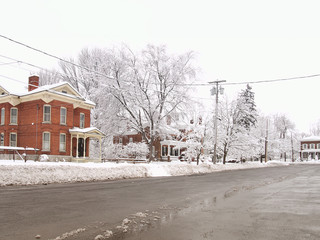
(21, 173)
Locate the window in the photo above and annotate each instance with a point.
(82, 120)
(2, 139)
(174, 151)
(304, 146)
(318, 146)
(46, 141)
(171, 150)
(164, 150)
(62, 146)
(63, 115)
(120, 140)
(2, 116)
(13, 139)
(64, 91)
(312, 146)
(130, 140)
(13, 116)
(47, 113)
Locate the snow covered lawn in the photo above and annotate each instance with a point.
(21, 173)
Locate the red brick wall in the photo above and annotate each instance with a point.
(30, 126)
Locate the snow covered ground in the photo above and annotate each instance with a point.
(21, 173)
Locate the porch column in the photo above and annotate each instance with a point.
(100, 149)
(71, 146)
(77, 155)
(84, 146)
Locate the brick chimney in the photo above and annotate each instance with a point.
(33, 82)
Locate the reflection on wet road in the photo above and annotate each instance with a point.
(282, 208)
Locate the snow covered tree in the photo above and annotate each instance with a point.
(282, 125)
(247, 108)
(149, 87)
(236, 122)
(135, 90)
(315, 129)
(49, 77)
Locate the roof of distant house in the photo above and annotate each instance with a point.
(310, 139)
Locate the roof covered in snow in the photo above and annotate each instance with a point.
(63, 89)
(311, 139)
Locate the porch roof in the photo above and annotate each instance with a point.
(310, 150)
(87, 132)
(173, 143)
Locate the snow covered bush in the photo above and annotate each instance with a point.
(44, 158)
(131, 150)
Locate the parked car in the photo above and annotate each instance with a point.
(232, 160)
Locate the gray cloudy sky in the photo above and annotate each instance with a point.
(248, 40)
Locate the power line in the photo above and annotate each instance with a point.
(186, 84)
(53, 56)
(274, 80)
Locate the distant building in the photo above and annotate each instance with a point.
(170, 148)
(310, 148)
(55, 119)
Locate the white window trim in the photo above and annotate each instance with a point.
(12, 123)
(312, 146)
(65, 142)
(44, 106)
(13, 133)
(3, 116)
(84, 120)
(120, 140)
(65, 117)
(43, 149)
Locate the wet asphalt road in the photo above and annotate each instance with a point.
(265, 203)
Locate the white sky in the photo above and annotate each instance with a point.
(248, 40)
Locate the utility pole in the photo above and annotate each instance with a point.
(266, 143)
(292, 152)
(215, 91)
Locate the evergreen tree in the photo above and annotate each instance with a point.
(247, 108)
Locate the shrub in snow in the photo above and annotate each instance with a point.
(137, 150)
(131, 150)
(44, 158)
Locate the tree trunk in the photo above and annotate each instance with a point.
(151, 157)
(198, 157)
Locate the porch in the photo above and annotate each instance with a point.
(171, 150)
(79, 144)
(309, 154)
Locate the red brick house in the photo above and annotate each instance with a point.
(310, 148)
(163, 149)
(52, 119)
